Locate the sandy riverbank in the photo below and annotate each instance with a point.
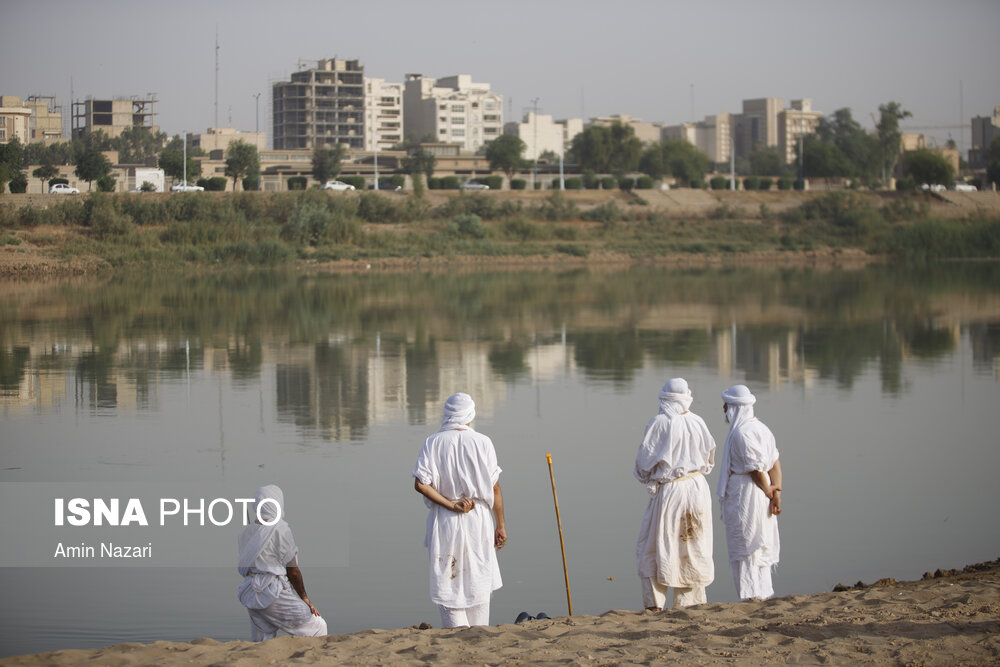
(952, 618)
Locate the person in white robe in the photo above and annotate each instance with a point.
(750, 492)
(674, 549)
(272, 589)
(458, 475)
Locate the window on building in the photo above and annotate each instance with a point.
(458, 132)
(458, 120)
(458, 107)
(443, 107)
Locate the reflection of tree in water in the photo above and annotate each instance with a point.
(985, 346)
(422, 380)
(94, 379)
(613, 355)
(507, 360)
(342, 384)
(12, 366)
(245, 359)
(685, 346)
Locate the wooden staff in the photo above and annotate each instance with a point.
(562, 544)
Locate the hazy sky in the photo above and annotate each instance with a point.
(656, 60)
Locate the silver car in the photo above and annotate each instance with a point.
(473, 185)
(339, 186)
(63, 189)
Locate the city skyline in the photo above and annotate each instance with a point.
(663, 62)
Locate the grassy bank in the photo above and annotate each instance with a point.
(208, 229)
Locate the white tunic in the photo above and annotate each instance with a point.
(675, 540)
(750, 531)
(460, 463)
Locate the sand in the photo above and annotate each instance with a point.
(948, 618)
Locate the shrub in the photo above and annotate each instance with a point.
(521, 228)
(433, 183)
(625, 184)
(608, 213)
(19, 183)
(147, 187)
(644, 183)
(608, 183)
(785, 183)
(250, 183)
(765, 184)
(105, 183)
(296, 183)
(214, 184)
(397, 180)
(573, 183)
(556, 208)
(751, 183)
(103, 216)
(906, 184)
(495, 182)
(448, 183)
(357, 181)
(467, 225)
(571, 249)
(590, 180)
(697, 185)
(719, 183)
(518, 184)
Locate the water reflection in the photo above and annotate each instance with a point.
(347, 350)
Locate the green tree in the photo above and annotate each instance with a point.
(822, 159)
(927, 166)
(241, 160)
(858, 147)
(504, 153)
(767, 162)
(138, 143)
(417, 163)
(172, 161)
(889, 135)
(677, 157)
(326, 162)
(992, 158)
(46, 172)
(91, 165)
(11, 157)
(607, 149)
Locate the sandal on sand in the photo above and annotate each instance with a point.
(524, 616)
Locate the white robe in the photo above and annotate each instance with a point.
(750, 532)
(675, 540)
(460, 463)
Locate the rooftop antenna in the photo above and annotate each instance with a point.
(216, 75)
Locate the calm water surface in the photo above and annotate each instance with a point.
(880, 384)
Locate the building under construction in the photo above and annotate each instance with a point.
(320, 107)
(113, 116)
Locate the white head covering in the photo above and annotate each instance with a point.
(675, 397)
(256, 535)
(459, 410)
(739, 409)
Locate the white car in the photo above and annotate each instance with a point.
(63, 189)
(472, 185)
(184, 187)
(339, 186)
(933, 187)
(964, 187)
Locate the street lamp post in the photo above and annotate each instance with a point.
(256, 130)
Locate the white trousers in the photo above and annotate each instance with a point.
(464, 617)
(287, 613)
(654, 594)
(753, 582)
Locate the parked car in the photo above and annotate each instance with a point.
(386, 185)
(933, 187)
(63, 189)
(184, 187)
(339, 186)
(473, 185)
(964, 187)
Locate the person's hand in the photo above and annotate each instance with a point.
(500, 538)
(464, 505)
(774, 508)
(313, 609)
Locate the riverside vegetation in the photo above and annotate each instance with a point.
(257, 229)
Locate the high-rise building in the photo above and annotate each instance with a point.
(46, 122)
(797, 121)
(984, 130)
(383, 114)
(710, 136)
(113, 116)
(757, 127)
(14, 119)
(320, 107)
(541, 134)
(452, 110)
(647, 133)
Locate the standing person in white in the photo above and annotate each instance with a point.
(675, 542)
(272, 589)
(458, 475)
(750, 493)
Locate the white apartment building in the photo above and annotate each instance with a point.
(383, 114)
(541, 134)
(219, 138)
(712, 136)
(647, 133)
(797, 121)
(14, 119)
(452, 110)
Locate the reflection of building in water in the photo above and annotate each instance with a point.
(985, 341)
(774, 357)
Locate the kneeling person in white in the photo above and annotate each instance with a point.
(272, 589)
(675, 542)
(750, 492)
(457, 473)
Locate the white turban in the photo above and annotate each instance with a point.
(459, 410)
(675, 397)
(739, 402)
(256, 535)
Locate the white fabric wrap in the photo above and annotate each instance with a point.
(459, 410)
(750, 531)
(264, 551)
(675, 540)
(460, 463)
